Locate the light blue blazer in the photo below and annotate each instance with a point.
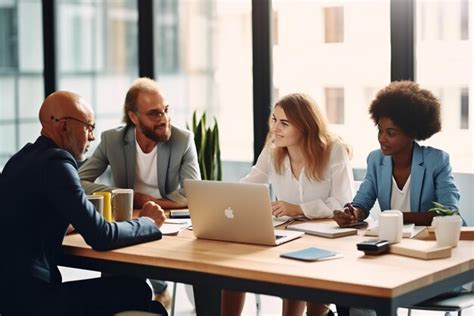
(431, 180)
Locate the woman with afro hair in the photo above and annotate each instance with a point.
(403, 175)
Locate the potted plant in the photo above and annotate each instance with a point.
(207, 146)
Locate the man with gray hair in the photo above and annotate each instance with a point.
(148, 154)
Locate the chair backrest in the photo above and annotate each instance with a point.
(449, 302)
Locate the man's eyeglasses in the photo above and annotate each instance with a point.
(90, 127)
(156, 114)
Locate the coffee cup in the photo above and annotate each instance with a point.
(122, 204)
(98, 201)
(391, 226)
(107, 209)
(447, 230)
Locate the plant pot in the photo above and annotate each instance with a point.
(447, 230)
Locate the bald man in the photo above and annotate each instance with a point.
(41, 194)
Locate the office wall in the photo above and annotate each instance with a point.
(465, 183)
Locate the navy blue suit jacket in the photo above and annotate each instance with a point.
(431, 180)
(40, 195)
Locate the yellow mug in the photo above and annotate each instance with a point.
(107, 205)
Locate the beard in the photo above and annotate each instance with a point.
(155, 136)
(74, 147)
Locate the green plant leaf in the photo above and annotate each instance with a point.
(441, 210)
(207, 147)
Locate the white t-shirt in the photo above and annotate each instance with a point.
(317, 199)
(400, 198)
(146, 174)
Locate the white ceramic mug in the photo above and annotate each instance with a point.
(447, 230)
(391, 226)
(122, 204)
(98, 201)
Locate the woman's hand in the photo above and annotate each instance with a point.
(154, 211)
(344, 217)
(348, 215)
(281, 208)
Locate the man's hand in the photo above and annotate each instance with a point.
(139, 199)
(281, 208)
(154, 211)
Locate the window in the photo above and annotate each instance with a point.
(167, 36)
(443, 20)
(97, 49)
(444, 66)
(205, 64)
(8, 38)
(334, 24)
(464, 8)
(340, 77)
(465, 108)
(21, 74)
(335, 105)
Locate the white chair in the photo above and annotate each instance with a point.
(446, 303)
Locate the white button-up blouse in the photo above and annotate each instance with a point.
(317, 199)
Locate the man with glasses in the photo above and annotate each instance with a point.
(41, 195)
(148, 155)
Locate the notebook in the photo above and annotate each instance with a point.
(409, 230)
(328, 230)
(311, 254)
(238, 212)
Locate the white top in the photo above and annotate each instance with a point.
(400, 198)
(146, 173)
(317, 199)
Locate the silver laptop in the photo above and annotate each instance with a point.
(238, 212)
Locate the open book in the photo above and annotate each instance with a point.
(173, 226)
(409, 230)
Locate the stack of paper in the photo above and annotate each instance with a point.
(174, 226)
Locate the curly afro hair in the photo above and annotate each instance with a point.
(415, 111)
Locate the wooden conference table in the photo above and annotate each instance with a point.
(381, 282)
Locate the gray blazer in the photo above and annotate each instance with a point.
(177, 160)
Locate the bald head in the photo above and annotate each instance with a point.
(63, 116)
(63, 104)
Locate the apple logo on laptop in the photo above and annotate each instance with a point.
(229, 212)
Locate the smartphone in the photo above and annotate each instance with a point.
(179, 214)
(359, 224)
(373, 246)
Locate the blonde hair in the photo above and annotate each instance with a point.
(303, 113)
(140, 85)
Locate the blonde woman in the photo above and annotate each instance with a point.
(309, 170)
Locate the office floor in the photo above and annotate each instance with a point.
(270, 306)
